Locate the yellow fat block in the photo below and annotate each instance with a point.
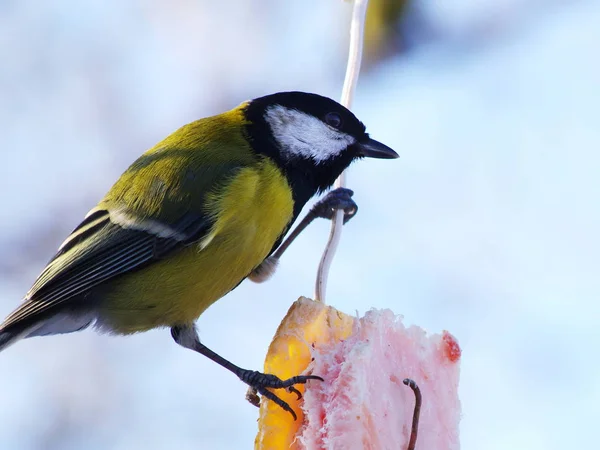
(308, 324)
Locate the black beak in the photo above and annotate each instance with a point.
(372, 149)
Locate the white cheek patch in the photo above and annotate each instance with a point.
(303, 135)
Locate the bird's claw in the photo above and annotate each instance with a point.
(260, 383)
(338, 199)
(293, 390)
(252, 396)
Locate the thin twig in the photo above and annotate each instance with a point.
(357, 27)
(417, 412)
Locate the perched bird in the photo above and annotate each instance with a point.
(193, 217)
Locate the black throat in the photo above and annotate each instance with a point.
(304, 176)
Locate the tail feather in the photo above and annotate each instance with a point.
(8, 338)
(57, 324)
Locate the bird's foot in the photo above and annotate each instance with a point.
(338, 199)
(260, 383)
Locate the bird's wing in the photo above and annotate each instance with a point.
(155, 208)
(111, 249)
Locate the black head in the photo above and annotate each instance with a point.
(312, 138)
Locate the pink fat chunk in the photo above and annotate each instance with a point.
(363, 403)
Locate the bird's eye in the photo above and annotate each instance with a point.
(333, 119)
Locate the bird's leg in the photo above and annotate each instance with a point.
(338, 199)
(260, 383)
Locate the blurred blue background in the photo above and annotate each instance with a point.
(487, 226)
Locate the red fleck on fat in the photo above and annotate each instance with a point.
(451, 348)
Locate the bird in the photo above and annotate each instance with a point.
(195, 215)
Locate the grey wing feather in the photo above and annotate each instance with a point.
(110, 250)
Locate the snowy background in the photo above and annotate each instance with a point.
(488, 224)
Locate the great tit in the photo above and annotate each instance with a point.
(193, 217)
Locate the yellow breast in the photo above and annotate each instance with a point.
(251, 213)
